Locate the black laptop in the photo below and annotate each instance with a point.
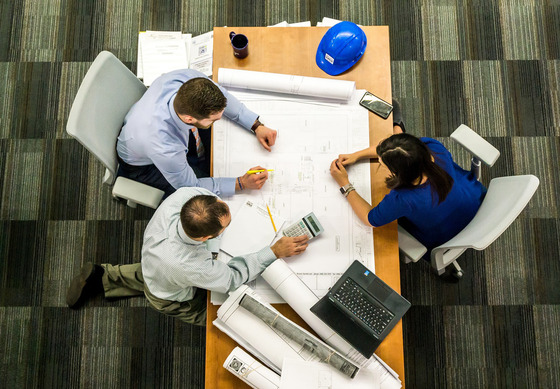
(361, 308)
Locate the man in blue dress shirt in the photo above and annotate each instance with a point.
(160, 144)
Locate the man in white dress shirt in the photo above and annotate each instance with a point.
(177, 263)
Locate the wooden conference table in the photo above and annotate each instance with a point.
(291, 50)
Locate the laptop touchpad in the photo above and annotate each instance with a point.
(379, 290)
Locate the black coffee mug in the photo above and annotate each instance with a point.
(240, 45)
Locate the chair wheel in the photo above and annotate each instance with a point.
(452, 274)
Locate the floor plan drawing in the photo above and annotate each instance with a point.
(311, 134)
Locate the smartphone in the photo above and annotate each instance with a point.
(376, 105)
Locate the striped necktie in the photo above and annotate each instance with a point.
(199, 145)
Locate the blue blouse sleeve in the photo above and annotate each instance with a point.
(436, 147)
(392, 207)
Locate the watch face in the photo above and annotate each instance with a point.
(342, 190)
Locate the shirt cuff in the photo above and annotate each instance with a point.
(266, 256)
(248, 120)
(227, 186)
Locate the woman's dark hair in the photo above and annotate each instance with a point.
(202, 216)
(408, 158)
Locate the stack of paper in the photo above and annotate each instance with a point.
(286, 24)
(160, 52)
(329, 22)
(200, 54)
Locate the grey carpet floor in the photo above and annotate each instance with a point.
(493, 65)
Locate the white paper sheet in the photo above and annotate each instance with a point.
(250, 230)
(281, 24)
(162, 52)
(286, 24)
(251, 371)
(307, 23)
(329, 22)
(201, 49)
(298, 374)
(310, 137)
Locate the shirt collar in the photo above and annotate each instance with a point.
(184, 237)
(180, 124)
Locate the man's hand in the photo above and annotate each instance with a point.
(338, 172)
(254, 180)
(266, 136)
(286, 247)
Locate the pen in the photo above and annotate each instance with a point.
(259, 171)
(271, 219)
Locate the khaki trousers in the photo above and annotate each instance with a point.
(127, 281)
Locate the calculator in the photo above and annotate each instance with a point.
(308, 225)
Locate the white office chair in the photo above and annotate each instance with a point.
(504, 201)
(105, 96)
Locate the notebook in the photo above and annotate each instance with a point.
(361, 308)
(250, 230)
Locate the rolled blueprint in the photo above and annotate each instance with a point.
(251, 371)
(271, 345)
(325, 353)
(298, 295)
(286, 83)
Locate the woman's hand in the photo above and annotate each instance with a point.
(338, 172)
(347, 159)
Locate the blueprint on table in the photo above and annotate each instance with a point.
(311, 134)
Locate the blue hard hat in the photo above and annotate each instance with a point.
(341, 47)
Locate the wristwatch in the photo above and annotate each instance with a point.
(346, 189)
(256, 125)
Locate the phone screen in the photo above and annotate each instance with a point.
(376, 105)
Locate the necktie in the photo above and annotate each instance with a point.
(199, 145)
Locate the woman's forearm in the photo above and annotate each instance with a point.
(360, 206)
(366, 153)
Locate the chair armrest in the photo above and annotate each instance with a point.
(409, 246)
(475, 144)
(137, 193)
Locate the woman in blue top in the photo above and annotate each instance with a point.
(431, 196)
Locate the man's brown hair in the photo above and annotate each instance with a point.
(202, 216)
(199, 98)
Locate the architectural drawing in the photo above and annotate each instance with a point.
(310, 136)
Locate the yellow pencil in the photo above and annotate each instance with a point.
(271, 219)
(259, 171)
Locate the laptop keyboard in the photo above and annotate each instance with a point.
(351, 296)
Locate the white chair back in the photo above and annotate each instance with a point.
(106, 94)
(506, 198)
